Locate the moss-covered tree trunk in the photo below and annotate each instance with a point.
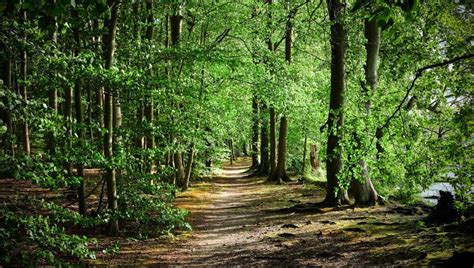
(364, 191)
(334, 194)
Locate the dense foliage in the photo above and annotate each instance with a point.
(180, 78)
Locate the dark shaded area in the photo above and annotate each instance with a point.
(444, 211)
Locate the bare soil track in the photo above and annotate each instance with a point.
(239, 219)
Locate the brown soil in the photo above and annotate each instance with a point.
(239, 219)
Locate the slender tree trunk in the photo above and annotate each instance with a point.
(149, 107)
(313, 157)
(244, 149)
(189, 166)
(304, 153)
(180, 173)
(109, 50)
(140, 139)
(264, 160)
(79, 120)
(22, 87)
(255, 128)
(334, 194)
(364, 191)
(280, 172)
(99, 93)
(175, 26)
(272, 140)
(53, 91)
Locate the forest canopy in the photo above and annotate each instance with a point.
(116, 106)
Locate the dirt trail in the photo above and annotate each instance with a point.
(238, 219)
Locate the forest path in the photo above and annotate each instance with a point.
(239, 219)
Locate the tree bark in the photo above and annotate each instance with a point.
(264, 160)
(255, 121)
(189, 166)
(336, 106)
(303, 168)
(53, 91)
(279, 174)
(110, 26)
(22, 87)
(272, 140)
(180, 175)
(244, 149)
(231, 149)
(149, 107)
(313, 157)
(79, 120)
(364, 191)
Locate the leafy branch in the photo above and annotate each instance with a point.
(418, 74)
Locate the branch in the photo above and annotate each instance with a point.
(291, 15)
(418, 74)
(321, 128)
(221, 37)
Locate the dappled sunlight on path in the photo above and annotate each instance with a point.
(239, 219)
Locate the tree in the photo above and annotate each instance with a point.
(22, 86)
(110, 30)
(279, 174)
(80, 120)
(335, 123)
(364, 191)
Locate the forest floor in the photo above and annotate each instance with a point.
(239, 219)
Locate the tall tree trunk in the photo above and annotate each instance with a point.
(180, 173)
(244, 149)
(334, 194)
(175, 26)
(110, 26)
(364, 191)
(149, 107)
(264, 160)
(79, 121)
(272, 140)
(99, 93)
(305, 142)
(189, 166)
(280, 172)
(22, 87)
(254, 149)
(53, 91)
(140, 139)
(313, 157)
